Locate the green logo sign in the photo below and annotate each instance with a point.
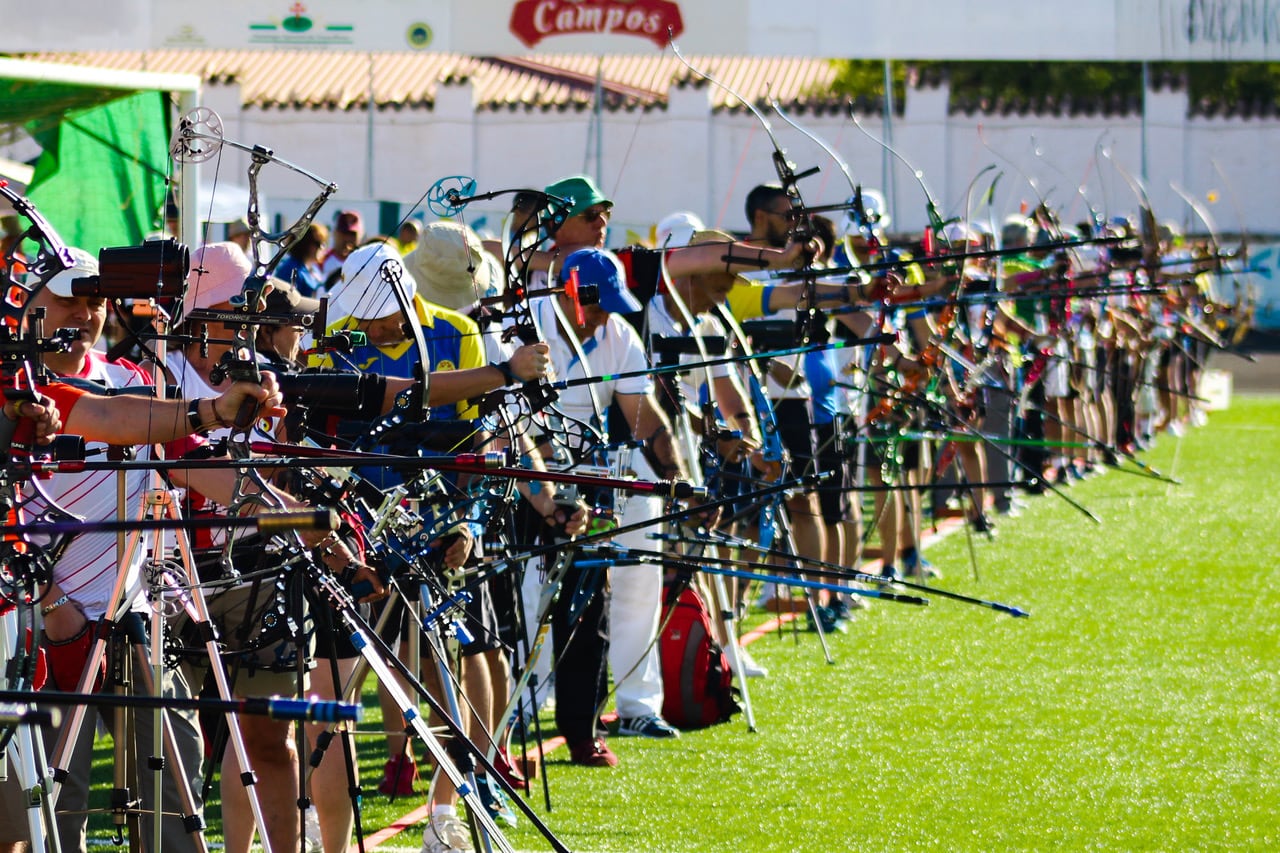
(299, 23)
(298, 30)
(419, 35)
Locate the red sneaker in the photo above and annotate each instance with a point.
(398, 776)
(516, 779)
(592, 753)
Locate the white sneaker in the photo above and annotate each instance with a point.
(446, 834)
(311, 834)
(750, 669)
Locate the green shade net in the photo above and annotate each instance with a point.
(43, 103)
(100, 179)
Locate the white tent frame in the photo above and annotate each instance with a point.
(186, 86)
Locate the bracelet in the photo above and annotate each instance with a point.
(46, 610)
(193, 415)
(504, 367)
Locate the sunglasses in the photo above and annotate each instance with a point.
(595, 214)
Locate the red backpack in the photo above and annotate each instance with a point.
(696, 680)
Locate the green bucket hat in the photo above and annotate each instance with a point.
(581, 190)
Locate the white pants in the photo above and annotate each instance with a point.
(531, 592)
(635, 609)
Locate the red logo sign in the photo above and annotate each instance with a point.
(534, 20)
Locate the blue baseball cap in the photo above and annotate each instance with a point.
(602, 268)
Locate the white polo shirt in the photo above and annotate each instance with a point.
(614, 348)
(659, 320)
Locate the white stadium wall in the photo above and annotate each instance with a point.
(686, 157)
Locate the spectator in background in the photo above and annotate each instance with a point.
(238, 233)
(301, 264)
(407, 237)
(348, 233)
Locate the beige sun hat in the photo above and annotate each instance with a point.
(451, 267)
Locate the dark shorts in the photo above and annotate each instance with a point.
(255, 620)
(833, 495)
(333, 639)
(796, 432)
(732, 480)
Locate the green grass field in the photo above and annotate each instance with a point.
(1137, 709)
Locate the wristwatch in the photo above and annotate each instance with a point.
(504, 367)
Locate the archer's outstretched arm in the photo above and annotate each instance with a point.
(128, 420)
(529, 363)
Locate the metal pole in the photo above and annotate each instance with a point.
(189, 176)
(597, 115)
(368, 175)
(886, 159)
(1146, 94)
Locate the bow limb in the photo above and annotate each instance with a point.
(1095, 217)
(21, 347)
(1044, 215)
(1150, 239)
(1245, 299)
(772, 451)
(198, 137)
(1042, 203)
(1205, 217)
(829, 149)
(936, 222)
(1218, 256)
(787, 174)
(801, 225)
(1243, 251)
(990, 192)
(697, 454)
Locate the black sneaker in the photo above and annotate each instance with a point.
(982, 524)
(843, 612)
(650, 725)
(827, 618)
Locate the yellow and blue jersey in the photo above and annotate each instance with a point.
(452, 340)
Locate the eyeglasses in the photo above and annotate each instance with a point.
(595, 214)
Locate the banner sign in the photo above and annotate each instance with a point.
(1047, 30)
(534, 20)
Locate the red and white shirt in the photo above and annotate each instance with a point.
(87, 569)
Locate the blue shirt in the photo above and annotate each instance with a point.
(298, 274)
